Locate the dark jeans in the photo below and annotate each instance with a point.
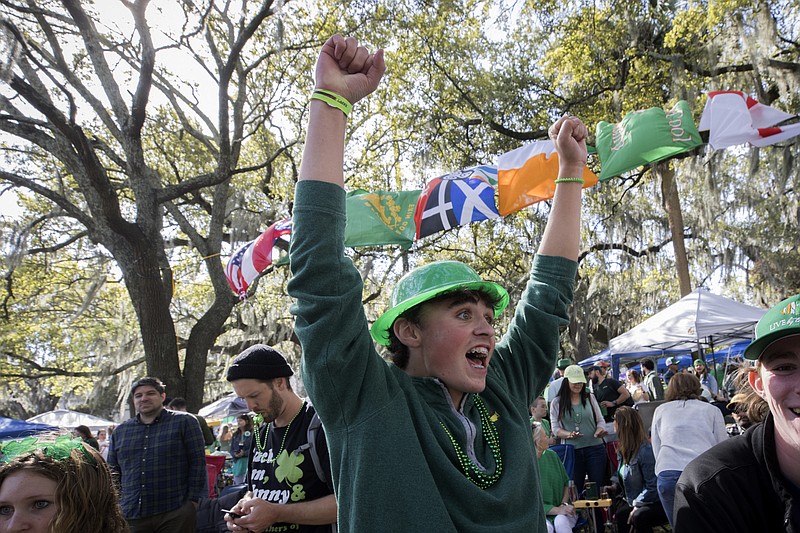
(181, 520)
(591, 461)
(644, 519)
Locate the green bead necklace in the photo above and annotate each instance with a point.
(260, 446)
(482, 479)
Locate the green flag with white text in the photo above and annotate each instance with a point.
(644, 137)
(380, 217)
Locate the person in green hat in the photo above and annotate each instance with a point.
(439, 439)
(752, 481)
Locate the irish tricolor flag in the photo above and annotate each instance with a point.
(526, 175)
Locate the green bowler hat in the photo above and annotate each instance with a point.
(429, 281)
(781, 320)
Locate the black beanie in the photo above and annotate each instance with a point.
(259, 362)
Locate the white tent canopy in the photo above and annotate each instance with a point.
(65, 418)
(230, 405)
(697, 321)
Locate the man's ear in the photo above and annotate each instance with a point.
(406, 332)
(754, 378)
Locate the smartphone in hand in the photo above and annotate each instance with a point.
(230, 512)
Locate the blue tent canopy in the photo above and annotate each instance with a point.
(631, 360)
(13, 429)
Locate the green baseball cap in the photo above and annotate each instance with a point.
(780, 321)
(563, 363)
(429, 281)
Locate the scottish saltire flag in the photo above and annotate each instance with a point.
(645, 137)
(733, 117)
(253, 258)
(527, 175)
(453, 200)
(380, 217)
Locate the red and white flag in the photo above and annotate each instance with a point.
(254, 257)
(733, 117)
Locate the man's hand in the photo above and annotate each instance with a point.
(258, 515)
(348, 69)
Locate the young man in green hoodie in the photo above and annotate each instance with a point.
(440, 440)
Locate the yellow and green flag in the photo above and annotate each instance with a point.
(380, 217)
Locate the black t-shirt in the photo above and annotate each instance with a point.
(607, 391)
(279, 475)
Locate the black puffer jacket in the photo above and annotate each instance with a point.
(737, 486)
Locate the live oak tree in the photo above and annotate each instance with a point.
(79, 103)
(467, 80)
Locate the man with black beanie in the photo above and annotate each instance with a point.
(286, 489)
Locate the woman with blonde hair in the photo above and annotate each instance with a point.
(683, 428)
(554, 485)
(62, 486)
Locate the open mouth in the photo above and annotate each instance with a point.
(478, 357)
(796, 411)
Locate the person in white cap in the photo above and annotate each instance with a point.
(673, 367)
(752, 481)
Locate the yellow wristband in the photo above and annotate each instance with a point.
(333, 100)
(570, 180)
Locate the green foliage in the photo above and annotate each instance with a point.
(466, 81)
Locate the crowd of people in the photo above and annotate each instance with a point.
(456, 434)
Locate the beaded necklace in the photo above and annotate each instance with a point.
(482, 479)
(261, 446)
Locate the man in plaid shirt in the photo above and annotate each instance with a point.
(160, 456)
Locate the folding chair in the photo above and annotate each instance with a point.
(646, 411)
(214, 467)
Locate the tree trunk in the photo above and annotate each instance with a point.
(672, 205)
(151, 300)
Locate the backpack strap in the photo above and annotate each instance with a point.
(312, 434)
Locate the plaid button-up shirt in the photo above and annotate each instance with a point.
(162, 465)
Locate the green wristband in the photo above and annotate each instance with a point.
(570, 180)
(333, 100)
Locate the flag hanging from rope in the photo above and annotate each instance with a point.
(253, 258)
(453, 200)
(733, 117)
(527, 175)
(380, 217)
(645, 137)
